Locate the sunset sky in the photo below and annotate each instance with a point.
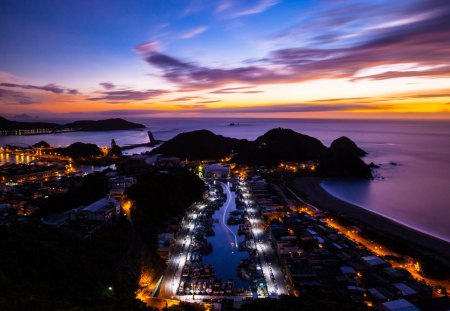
(228, 58)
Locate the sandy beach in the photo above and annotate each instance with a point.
(320, 198)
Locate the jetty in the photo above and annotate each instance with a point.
(151, 143)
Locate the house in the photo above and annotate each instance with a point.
(102, 211)
(398, 305)
(217, 171)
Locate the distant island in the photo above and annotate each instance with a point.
(8, 127)
(341, 159)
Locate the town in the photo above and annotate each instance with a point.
(250, 237)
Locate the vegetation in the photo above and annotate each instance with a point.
(93, 187)
(80, 150)
(201, 145)
(279, 145)
(343, 165)
(161, 196)
(346, 145)
(342, 159)
(52, 269)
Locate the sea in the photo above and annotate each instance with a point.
(411, 187)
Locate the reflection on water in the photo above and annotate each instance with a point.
(414, 192)
(7, 158)
(225, 257)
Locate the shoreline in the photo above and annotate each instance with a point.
(401, 223)
(420, 241)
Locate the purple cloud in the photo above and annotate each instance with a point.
(236, 90)
(184, 98)
(422, 41)
(107, 85)
(294, 108)
(209, 101)
(148, 47)
(192, 77)
(53, 88)
(15, 98)
(121, 96)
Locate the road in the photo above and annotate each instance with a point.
(377, 248)
(276, 284)
(179, 256)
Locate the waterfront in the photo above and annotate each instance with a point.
(225, 256)
(412, 192)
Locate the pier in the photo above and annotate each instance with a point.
(152, 142)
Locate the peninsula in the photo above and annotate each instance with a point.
(8, 127)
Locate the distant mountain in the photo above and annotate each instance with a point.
(342, 159)
(278, 145)
(83, 125)
(6, 124)
(201, 145)
(104, 125)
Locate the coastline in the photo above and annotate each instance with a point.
(420, 241)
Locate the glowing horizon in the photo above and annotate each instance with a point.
(262, 58)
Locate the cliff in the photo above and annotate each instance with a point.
(278, 145)
(343, 160)
(201, 145)
(346, 145)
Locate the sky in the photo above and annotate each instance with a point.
(225, 58)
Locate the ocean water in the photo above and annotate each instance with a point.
(414, 192)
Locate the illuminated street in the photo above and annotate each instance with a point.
(276, 285)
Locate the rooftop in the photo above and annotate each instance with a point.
(99, 205)
(399, 305)
(373, 260)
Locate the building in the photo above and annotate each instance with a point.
(217, 171)
(119, 185)
(102, 211)
(398, 305)
(164, 242)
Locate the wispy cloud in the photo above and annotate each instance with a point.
(15, 98)
(53, 88)
(148, 47)
(224, 5)
(123, 96)
(184, 98)
(259, 7)
(193, 32)
(209, 101)
(409, 43)
(293, 108)
(236, 90)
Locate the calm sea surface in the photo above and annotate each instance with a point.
(415, 192)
